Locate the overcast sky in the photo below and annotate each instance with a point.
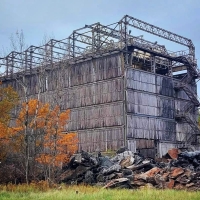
(58, 18)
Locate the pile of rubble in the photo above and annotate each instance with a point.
(178, 170)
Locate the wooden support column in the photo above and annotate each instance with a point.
(170, 68)
(130, 59)
(153, 64)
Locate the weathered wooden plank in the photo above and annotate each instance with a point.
(151, 128)
(165, 86)
(101, 139)
(144, 144)
(94, 92)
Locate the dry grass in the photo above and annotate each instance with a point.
(42, 192)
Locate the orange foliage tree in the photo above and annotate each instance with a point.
(58, 147)
(8, 100)
(45, 141)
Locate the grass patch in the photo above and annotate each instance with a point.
(31, 192)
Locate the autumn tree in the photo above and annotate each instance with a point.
(8, 100)
(48, 145)
(38, 134)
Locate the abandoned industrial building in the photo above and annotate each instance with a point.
(122, 90)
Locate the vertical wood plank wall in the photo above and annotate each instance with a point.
(151, 106)
(94, 92)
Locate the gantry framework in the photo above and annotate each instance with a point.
(95, 40)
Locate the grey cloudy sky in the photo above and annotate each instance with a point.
(58, 18)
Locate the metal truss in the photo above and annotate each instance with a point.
(144, 26)
(95, 40)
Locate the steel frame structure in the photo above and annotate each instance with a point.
(94, 40)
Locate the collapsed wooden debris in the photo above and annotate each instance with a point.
(178, 170)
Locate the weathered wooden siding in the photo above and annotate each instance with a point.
(164, 86)
(140, 80)
(151, 128)
(141, 103)
(151, 107)
(96, 116)
(93, 94)
(149, 82)
(101, 139)
(94, 91)
(146, 147)
(152, 104)
(95, 97)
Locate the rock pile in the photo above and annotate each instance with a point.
(178, 170)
